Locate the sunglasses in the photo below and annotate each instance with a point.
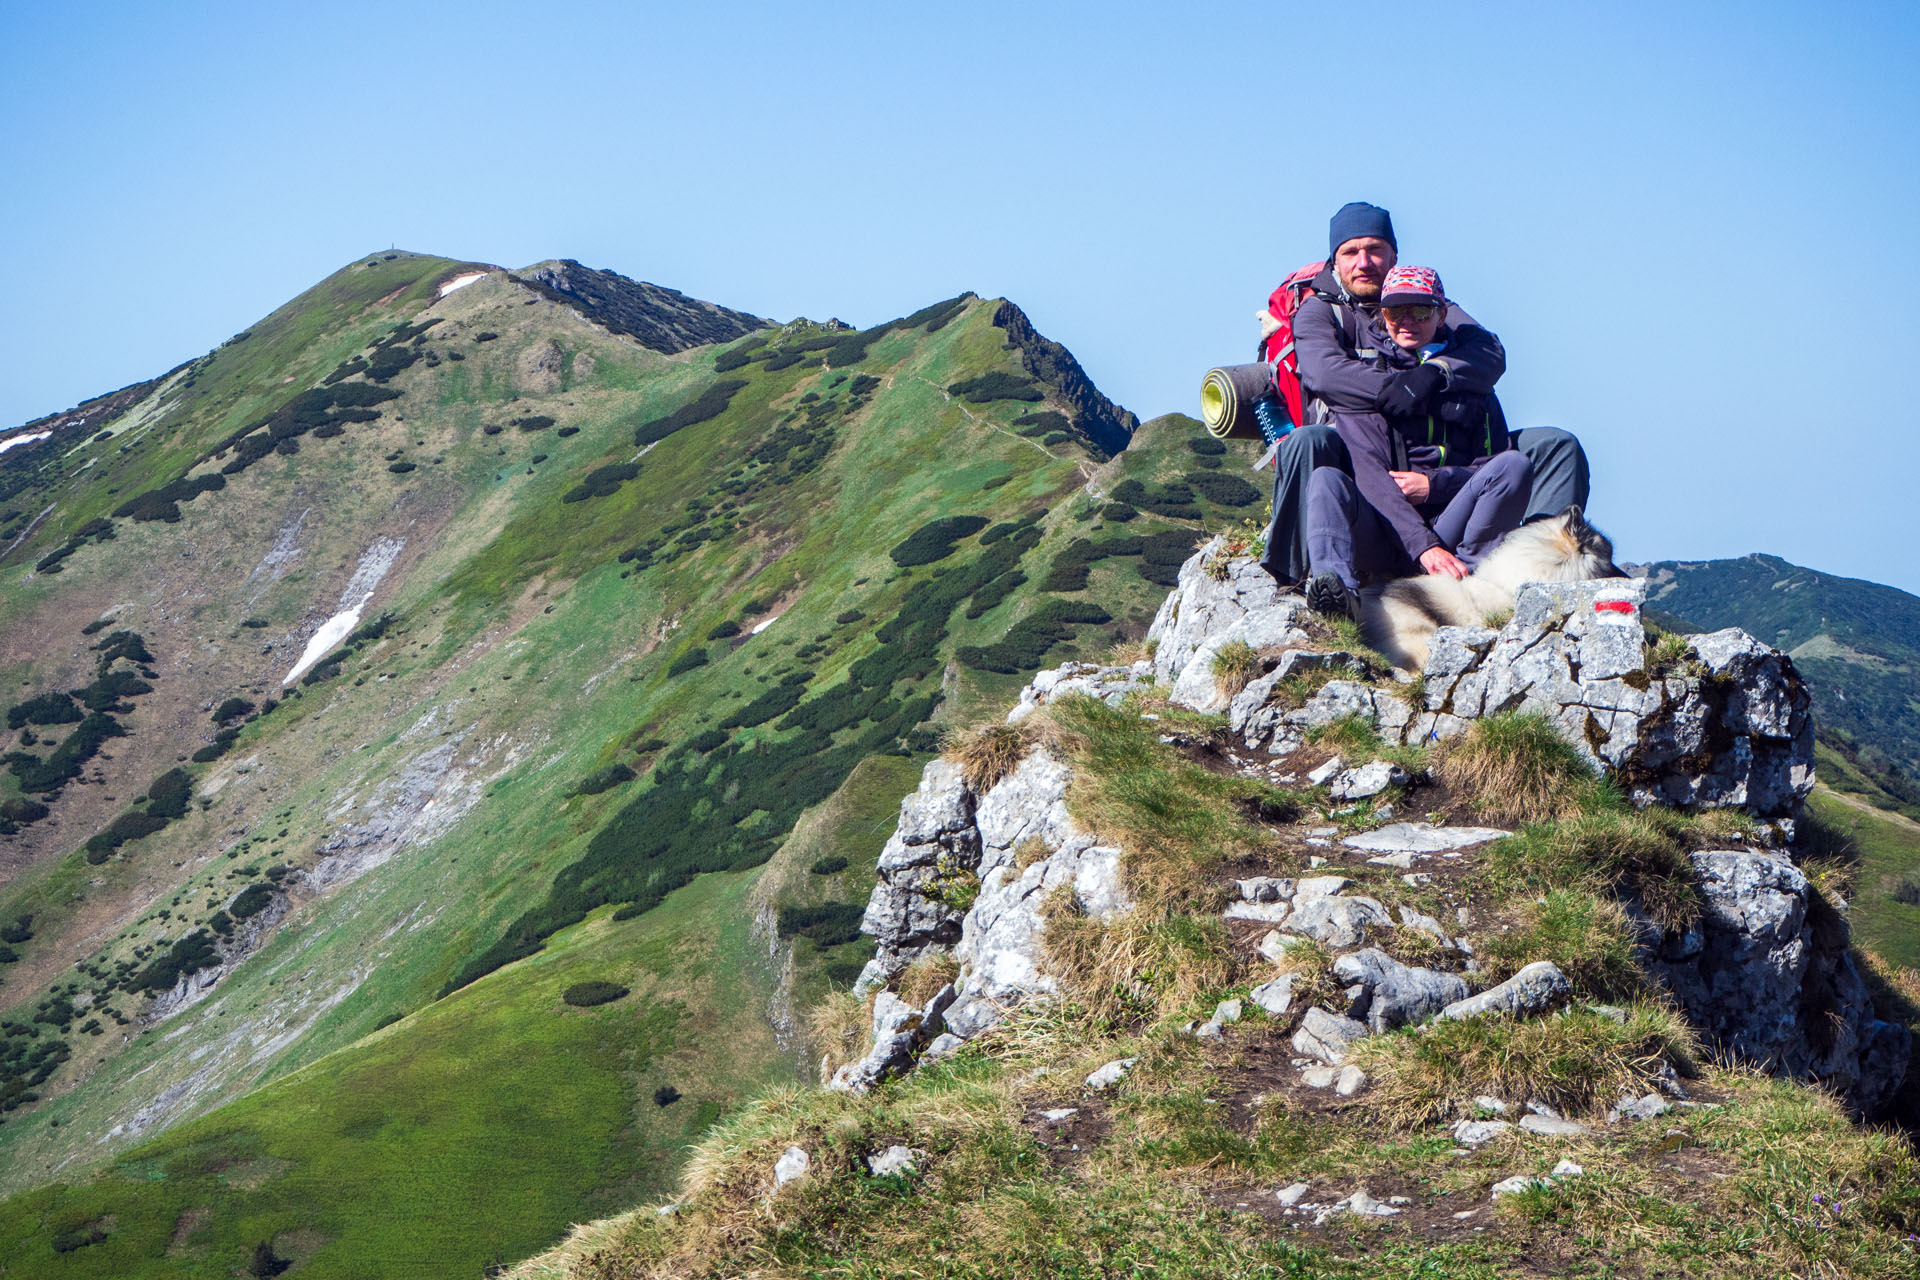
(1419, 315)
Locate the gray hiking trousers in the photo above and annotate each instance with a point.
(1560, 480)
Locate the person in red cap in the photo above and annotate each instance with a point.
(1435, 479)
(1334, 331)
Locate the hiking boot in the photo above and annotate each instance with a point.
(1330, 597)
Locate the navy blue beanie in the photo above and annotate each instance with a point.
(1356, 220)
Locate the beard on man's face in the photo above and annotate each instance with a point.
(1362, 290)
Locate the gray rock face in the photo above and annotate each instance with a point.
(1766, 976)
(1338, 922)
(1107, 684)
(936, 838)
(1276, 996)
(1203, 608)
(1421, 837)
(1388, 994)
(899, 1031)
(1367, 781)
(1325, 1036)
(1537, 988)
(1015, 847)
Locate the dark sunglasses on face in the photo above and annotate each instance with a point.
(1418, 315)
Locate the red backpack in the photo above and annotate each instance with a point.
(1277, 348)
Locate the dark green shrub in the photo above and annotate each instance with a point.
(934, 540)
(7, 954)
(1040, 422)
(851, 615)
(707, 740)
(564, 432)
(997, 385)
(485, 336)
(169, 793)
(401, 468)
(723, 630)
(492, 429)
(665, 1096)
(188, 956)
(603, 482)
(231, 709)
(1227, 490)
(79, 1238)
(709, 404)
(1029, 640)
(45, 708)
(21, 930)
(533, 422)
(687, 662)
(1207, 445)
(830, 866)
(829, 924)
(774, 702)
(603, 780)
(253, 899)
(1118, 512)
(1055, 438)
(128, 826)
(68, 759)
(584, 995)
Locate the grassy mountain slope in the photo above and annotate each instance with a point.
(613, 624)
(1857, 643)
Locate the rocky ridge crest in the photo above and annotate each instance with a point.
(1764, 972)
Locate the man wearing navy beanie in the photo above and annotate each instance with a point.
(1356, 221)
(1340, 374)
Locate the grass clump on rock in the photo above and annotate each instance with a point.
(1578, 1062)
(1517, 768)
(1235, 664)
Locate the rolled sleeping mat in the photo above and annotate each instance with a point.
(1227, 398)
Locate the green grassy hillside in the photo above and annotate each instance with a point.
(284, 955)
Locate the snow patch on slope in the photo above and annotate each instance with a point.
(25, 437)
(374, 563)
(461, 282)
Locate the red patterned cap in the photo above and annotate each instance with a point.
(1412, 287)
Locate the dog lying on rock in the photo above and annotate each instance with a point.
(1399, 618)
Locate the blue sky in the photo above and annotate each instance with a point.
(1689, 223)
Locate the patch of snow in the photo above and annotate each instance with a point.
(461, 282)
(763, 626)
(374, 563)
(24, 437)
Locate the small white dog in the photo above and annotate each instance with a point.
(1399, 618)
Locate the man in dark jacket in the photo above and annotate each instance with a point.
(1339, 371)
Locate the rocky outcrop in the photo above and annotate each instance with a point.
(652, 315)
(1729, 726)
(1096, 419)
(972, 876)
(1765, 976)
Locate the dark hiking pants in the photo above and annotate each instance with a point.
(1559, 481)
(1348, 538)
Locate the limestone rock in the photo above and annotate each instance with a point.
(1766, 960)
(1338, 922)
(1325, 1036)
(1367, 781)
(895, 1160)
(1275, 996)
(1547, 1127)
(1421, 837)
(1477, 1133)
(1111, 1074)
(792, 1164)
(1532, 991)
(1392, 994)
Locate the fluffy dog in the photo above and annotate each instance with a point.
(1400, 617)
